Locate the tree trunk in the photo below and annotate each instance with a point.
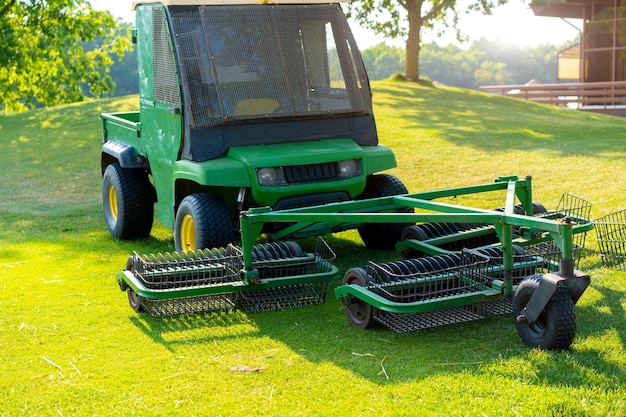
(412, 65)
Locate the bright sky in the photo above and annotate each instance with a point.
(513, 23)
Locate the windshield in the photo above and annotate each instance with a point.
(254, 62)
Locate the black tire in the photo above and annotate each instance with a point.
(556, 326)
(202, 221)
(383, 235)
(413, 232)
(135, 300)
(538, 208)
(359, 313)
(294, 249)
(128, 202)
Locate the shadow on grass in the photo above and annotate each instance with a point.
(484, 347)
(491, 123)
(604, 314)
(322, 334)
(208, 327)
(586, 364)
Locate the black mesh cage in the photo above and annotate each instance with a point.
(260, 61)
(166, 88)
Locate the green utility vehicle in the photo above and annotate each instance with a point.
(243, 105)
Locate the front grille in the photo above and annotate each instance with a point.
(309, 173)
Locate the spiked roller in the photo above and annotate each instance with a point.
(204, 280)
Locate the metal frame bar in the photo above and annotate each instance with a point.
(384, 210)
(379, 210)
(310, 220)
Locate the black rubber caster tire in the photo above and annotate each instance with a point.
(556, 326)
(135, 300)
(359, 313)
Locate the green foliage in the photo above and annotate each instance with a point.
(492, 73)
(381, 60)
(124, 70)
(451, 65)
(72, 346)
(407, 19)
(524, 64)
(42, 60)
(484, 62)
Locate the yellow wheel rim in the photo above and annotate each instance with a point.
(188, 234)
(113, 203)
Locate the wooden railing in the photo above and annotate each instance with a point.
(575, 95)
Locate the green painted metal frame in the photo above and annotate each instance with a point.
(310, 220)
(249, 282)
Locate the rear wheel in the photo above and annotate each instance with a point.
(383, 235)
(127, 201)
(556, 326)
(202, 221)
(359, 313)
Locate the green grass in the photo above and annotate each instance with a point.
(72, 346)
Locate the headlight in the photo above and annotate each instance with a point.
(349, 169)
(270, 176)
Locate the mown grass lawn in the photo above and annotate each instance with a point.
(71, 345)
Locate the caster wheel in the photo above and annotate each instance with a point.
(134, 300)
(359, 313)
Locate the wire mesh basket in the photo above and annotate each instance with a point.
(298, 295)
(575, 208)
(189, 305)
(423, 279)
(214, 276)
(550, 254)
(404, 323)
(611, 237)
(538, 258)
(183, 270)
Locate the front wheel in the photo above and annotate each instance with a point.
(556, 326)
(202, 221)
(383, 235)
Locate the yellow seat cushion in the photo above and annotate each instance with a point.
(255, 106)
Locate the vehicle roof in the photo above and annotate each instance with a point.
(227, 2)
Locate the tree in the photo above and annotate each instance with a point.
(382, 61)
(492, 73)
(450, 64)
(42, 59)
(124, 70)
(484, 62)
(386, 17)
